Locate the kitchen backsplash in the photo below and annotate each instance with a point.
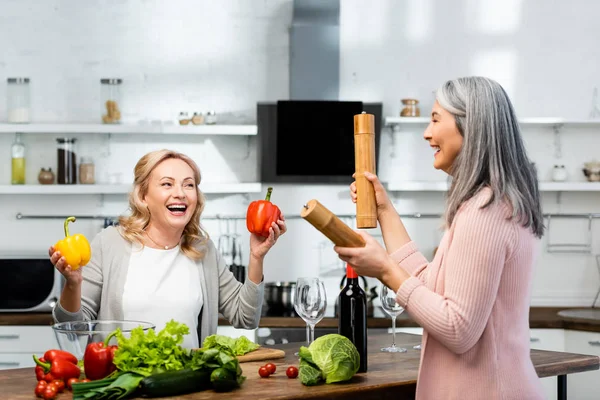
(202, 55)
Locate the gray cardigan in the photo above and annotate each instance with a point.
(104, 278)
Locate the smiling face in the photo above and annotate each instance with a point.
(444, 137)
(172, 195)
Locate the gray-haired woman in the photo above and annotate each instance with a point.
(472, 300)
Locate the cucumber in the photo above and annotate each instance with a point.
(223, 380)
(172, 383)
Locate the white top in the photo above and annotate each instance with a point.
(162, 285)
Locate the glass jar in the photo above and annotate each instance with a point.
(411, 108)
(67, 161)
(46, 176)
(111, 97)
(211, 118)
(17, 101)
(559, 173)
(87, 173)
(17, 161)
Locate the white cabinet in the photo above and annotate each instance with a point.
(583, 385)
(18, 344)
(551, 340)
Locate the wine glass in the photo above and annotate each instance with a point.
(311, 301)
(301, 281)
(393, 309)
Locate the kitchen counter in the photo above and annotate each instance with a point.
(585, 319)
(391, 375)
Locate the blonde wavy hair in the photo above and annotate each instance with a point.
(133, 225)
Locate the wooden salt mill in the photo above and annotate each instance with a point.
(330, 225)
(364, 160)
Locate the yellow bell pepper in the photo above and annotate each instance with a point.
(75, 249)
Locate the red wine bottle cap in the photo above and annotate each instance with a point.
(350, 272)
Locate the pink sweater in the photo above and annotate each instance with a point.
(472, 301)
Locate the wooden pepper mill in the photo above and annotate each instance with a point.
(330, 225)
(364, 160)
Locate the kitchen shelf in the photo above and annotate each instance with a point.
(207, 188)
(542, 121)
(413, 186)
(131, 129)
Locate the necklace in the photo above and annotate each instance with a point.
(152, 240)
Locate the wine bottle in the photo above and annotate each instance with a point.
(352, 315)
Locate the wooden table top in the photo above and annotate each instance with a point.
(390, 375)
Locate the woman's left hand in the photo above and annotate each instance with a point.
(372, 260)
(260, 246)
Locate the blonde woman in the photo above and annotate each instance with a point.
(159, 264)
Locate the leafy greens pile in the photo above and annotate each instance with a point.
(330, 358)
(239, 346)
(146, 353)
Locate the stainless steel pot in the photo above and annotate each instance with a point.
(280, 295)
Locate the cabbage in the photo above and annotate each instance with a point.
(332, 358)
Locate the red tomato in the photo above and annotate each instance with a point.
(263, 372)
(40, 389)
(292, 372)
(271, 368)
(60, 385)
(70, 383)
(49, 392)
(85, 380)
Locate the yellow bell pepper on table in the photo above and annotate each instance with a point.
(75, 249)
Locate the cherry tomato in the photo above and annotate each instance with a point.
(40, 389)
(85, 380)
(49, 392)
(70, 383)
(263, 372)
(271, 368)
(292, 372)
(60, 385)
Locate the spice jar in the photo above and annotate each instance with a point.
(110, 95)
(211, 118)
(46, 176)
(67, 161)
(87, 173)
(411, 108)
(183, 118)
(559, 173)
(197, 119)
(17, 100)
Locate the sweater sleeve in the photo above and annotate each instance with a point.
(482, 241)
(411, 260)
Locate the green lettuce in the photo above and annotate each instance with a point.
(148, 352)
(332, 358)
(239, 346)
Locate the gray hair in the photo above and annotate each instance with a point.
(492, 153)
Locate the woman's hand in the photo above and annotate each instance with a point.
(381, 197)
(260, 246)
(372, 260)
(73, 278)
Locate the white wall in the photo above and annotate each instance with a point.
(227, 55)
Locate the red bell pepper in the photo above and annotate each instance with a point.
(54, 354)
(59, 368)
(98, 359)
(261, 214)
(41, 375)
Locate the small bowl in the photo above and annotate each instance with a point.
(74, 336)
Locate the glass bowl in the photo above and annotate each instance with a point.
(74, 336)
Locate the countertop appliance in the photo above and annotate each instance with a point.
(28, 283)
(306, 141)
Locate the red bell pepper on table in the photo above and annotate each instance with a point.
(50, 356)
(261, 214)
(98, 359)
(56, 367)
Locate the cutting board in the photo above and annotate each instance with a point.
(262, 353)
